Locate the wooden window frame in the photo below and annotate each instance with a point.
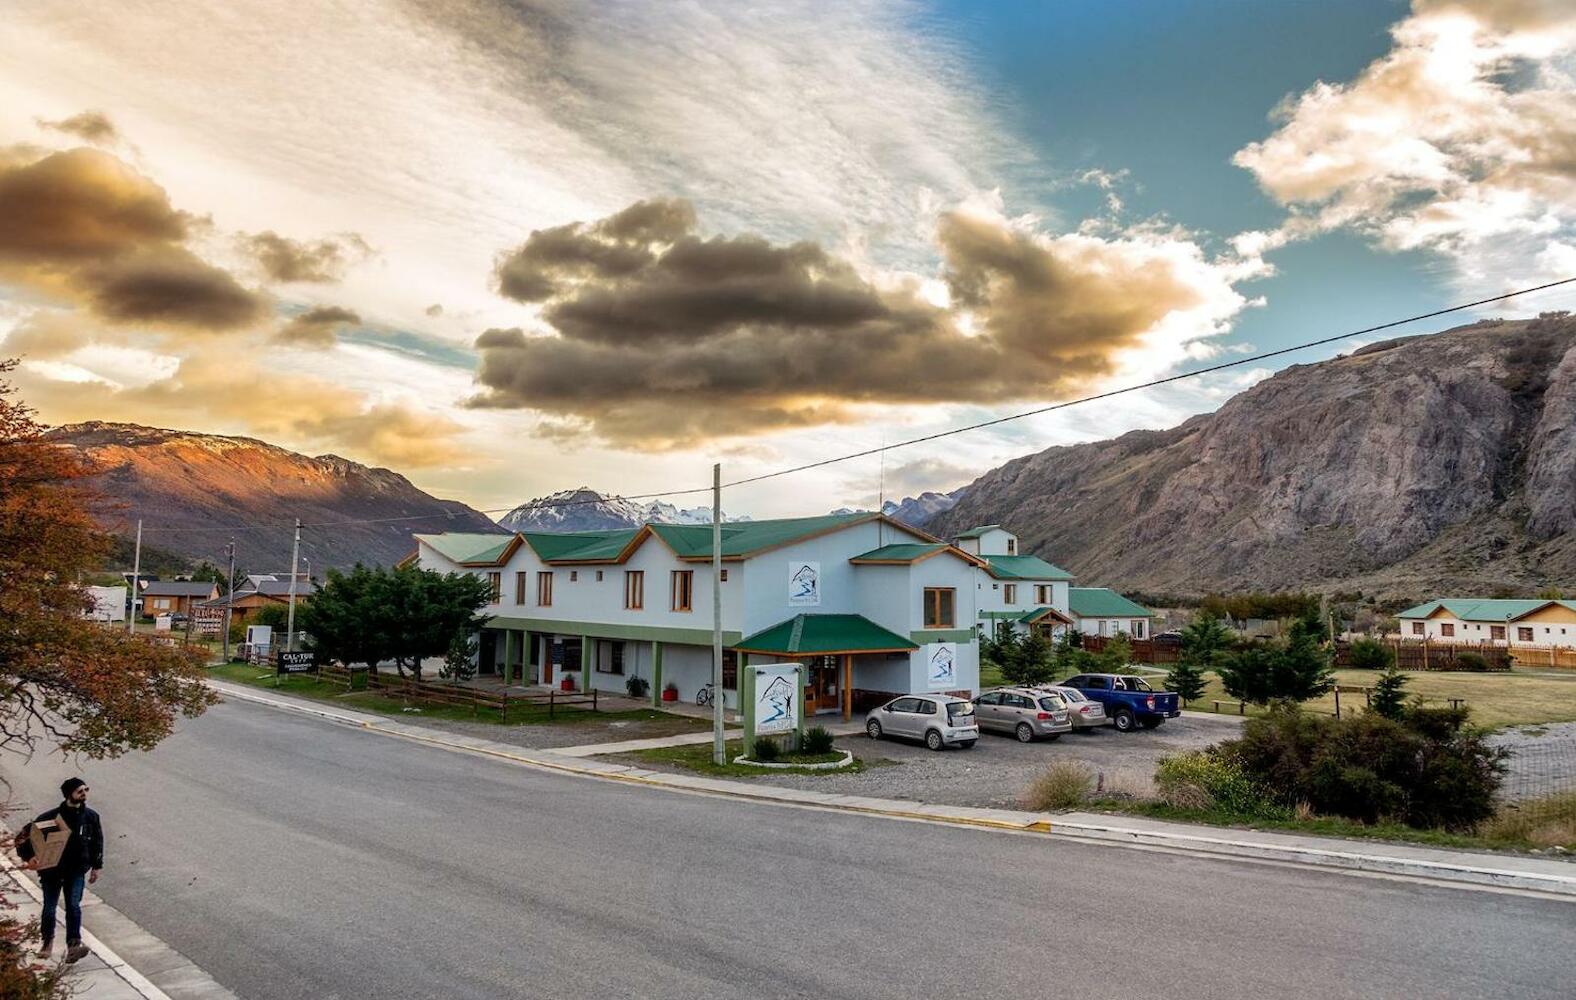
(1012, 546)
(1418, 629)
(1523, 633)
(1044, 593)
(598, 576)
(519, 587)
(634, 589)
(574, 575)
(544, 589)
(1009, 593)
(1447, 630)
(495, 587)
(932, 615)
(1496, 631)
(681, 587)
(724, 576)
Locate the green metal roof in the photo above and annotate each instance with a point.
(904, 552)
(1102, 602)
(819, 634)
(468, 547)
(1024, 568)
(1034, 613)
(976, 532)
(742, 538)
(1473, 609)
(555, 546)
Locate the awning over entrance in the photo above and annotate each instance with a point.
(1044, 616)
(817, 635)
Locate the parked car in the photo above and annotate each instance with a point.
(1026, 713)
(941, 720)
(1128, 699)
(1170, 637)
(1085, 714)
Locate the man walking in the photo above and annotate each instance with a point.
(82, 860)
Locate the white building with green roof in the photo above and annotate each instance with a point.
(1034, 594)
(1531, 622)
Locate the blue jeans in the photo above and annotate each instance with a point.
(52, 882)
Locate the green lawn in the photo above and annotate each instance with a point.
(307, 686)
(697, 758)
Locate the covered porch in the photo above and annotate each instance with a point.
(1046, 621)
(838, 651)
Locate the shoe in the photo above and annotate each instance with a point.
(45, 949)
(76, 952)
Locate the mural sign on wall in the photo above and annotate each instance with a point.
(776, 699)
(804, 583)
(941, 666)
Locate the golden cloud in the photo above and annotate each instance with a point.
(89, 126)
(320, 261)
(318, 327)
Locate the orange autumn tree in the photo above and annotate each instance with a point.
(64, 680)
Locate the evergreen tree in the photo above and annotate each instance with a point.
(1296, 668)
(1389, 694)
(1186, 678)
(1204, 639)
(1031, 663)
(1115, 656)
(459, 663)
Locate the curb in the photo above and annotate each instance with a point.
(1477, 870)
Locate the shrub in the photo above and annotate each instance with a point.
(1066, 784)
(1205, 780)
(1295, 668)
(1389, 694)
(1427, 770)
(1027, 661)
(816, 740)
(1186, 678)
(1369, 654)
(764, 750)
(1470, 661)
(459, 661)
(637, 687)
(1545, 822)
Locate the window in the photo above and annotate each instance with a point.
(1417, 628)
(544, 590)
(683, 589)
(1097, 683)
(1042, 593)
(1012, 546)
(519, 588)
(1136, 628)
(939, 602)
(1009, 593)
(634, 589)
(724, 576)
(1447, 628)
(609, 657)
(993, 698)
(574, 575)
(1524, 634)
(924, 707)
(730, 670)
(495, 587)
(1017, 701)
(1496, 631)
(598, 576)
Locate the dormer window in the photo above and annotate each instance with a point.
(1012, 546)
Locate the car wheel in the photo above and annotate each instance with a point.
(873, 729)
(933, 740)
(1024, 732)
(1123, 720)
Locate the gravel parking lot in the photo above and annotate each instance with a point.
(999, 768)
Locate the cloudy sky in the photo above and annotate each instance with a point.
(513, 246)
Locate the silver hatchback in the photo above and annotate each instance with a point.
(1026, 713)
(941, 720)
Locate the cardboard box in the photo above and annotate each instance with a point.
(49, 842)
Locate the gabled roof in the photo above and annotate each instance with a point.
(472, 548)
(1483, 610)
(1034, 615)
(977, 532)
(1024, 568)
(179, 588)
(580, 546)
(825, 634)
(1102, 602)
(907, 553)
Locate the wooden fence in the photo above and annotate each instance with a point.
(1408, 655)
(475, 698)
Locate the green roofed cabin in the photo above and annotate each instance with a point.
(1528, 623)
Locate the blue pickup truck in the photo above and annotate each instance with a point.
(1128, 700)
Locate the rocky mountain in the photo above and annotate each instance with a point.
(585, 509)
(1416, 467)
(917, 511)
(192, 489)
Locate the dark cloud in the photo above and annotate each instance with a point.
(435, 310)
(317, 327)
(170, 286)
(81, 205)
(90, 126)
(319, 261)
(662, 337)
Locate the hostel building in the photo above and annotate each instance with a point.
(1530, 622)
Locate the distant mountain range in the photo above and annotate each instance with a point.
(195, 492)
(916, 511)
(585, 509)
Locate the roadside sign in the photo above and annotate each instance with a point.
(298, 662)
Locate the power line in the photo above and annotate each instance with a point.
(1180, 376)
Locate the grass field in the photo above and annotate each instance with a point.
(307, 686)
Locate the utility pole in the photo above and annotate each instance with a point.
(718, 750)
(136, 576)
(229, 599)
(295, 558)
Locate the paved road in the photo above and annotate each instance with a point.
(295, 858)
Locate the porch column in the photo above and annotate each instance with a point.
(848, 686)
(656, 675)
(585, 662)
(508, 654)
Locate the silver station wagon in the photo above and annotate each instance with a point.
(941, 720)
(1026, 713)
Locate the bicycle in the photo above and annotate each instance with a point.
(705, 695)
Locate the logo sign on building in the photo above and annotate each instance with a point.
(297, 662)
(776, 699)
(941, 666)
(804, 583)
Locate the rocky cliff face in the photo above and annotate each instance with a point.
(1410, 468)
(200, 485)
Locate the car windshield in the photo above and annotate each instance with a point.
(1072, 694)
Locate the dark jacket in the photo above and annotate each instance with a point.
(85, 849)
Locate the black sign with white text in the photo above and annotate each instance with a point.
(298, 662)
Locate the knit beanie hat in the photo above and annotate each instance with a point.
(70, 785)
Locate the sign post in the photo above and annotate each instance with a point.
(772, 699)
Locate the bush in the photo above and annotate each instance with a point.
(764, 750)
(816, 740)
(1369, 654)
(1545, 822)
(637, 687)
(1187, 680)
(1296, 668)
(1066, 784)
(1473, 662)
(1389, 694)
(1203, 780)
(1427, 770)
(1027, 661)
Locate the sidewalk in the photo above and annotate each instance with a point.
(107, 973)
(1468, 868)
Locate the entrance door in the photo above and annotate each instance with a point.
(822, 689)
